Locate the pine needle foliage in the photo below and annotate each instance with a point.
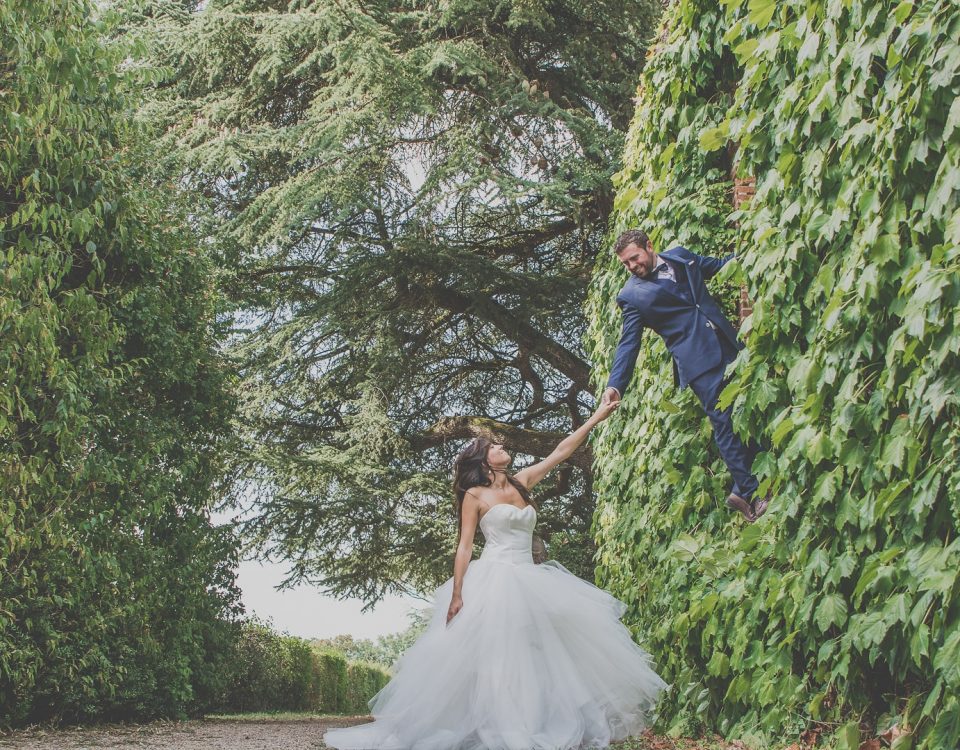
(407, 198)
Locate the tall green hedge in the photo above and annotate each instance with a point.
(839, 609)
(116, 594)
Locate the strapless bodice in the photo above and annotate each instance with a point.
(508, 531)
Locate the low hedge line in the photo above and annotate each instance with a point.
(274, 672)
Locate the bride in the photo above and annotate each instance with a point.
(517, 656)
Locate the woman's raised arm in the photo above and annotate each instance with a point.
(532, 475)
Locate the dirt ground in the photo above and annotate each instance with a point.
(298, 733)
(251, 733)
(203, 734)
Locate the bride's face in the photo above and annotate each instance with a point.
(497, 457)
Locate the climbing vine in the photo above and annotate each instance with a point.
(838, 611)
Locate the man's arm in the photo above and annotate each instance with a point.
(625, 358)
(709, 266)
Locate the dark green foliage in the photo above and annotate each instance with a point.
(363, 682)
(271, 672)
(408, 197)
(333, 684)
(841, 604)
(116, 594)
(260, 671)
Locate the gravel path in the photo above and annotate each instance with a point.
(300, 733)
(203, 734)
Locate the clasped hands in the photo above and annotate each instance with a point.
(610, 396)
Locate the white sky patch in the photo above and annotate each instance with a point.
(306, 612)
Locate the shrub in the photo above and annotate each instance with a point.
(363, 682)
(274, 672)
(116, 593)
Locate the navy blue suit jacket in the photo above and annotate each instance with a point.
(689, 329)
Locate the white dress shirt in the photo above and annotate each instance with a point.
(662, 269)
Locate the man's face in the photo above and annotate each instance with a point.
(637, 259)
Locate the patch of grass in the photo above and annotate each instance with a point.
(279, 716)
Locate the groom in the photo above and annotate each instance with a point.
(667, 292)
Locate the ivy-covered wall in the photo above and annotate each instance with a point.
(838, 611)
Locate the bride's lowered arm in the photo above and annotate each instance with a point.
(469, 516)
(532, 475)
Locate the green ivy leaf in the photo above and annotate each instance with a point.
(714, 138)
(684, 547)
(947, 658)
(832, 610)
(760, 12)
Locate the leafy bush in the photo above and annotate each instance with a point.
(363, 682)
(840, 606)
(259, 671)
(116, 594)
(333, 681)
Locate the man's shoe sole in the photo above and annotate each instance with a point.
(737, 503)
(760, 506)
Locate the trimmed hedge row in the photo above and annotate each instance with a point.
(840, 609)
(283, 673)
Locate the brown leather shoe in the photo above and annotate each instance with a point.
(759, 506)
(741, 505)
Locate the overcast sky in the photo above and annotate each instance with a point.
(308, 613)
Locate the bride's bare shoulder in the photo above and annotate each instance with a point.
(473, 500)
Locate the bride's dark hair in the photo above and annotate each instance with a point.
(472, 470)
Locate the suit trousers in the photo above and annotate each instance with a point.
(737, 455)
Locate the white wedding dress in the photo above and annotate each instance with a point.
(537, 659)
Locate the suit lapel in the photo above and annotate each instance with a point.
(650, 290)
(687, 265)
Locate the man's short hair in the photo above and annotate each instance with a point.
(630, 237)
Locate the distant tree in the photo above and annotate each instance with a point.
(407, 199)
(386, 649)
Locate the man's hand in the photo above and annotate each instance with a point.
(610, 396)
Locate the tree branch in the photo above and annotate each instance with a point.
(518, 330)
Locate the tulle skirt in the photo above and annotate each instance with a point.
(537, 659)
